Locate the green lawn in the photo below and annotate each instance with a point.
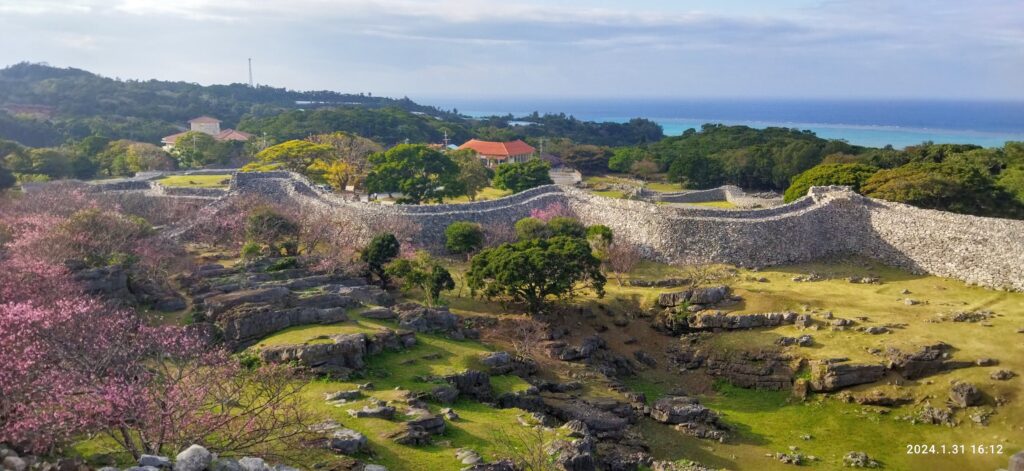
(489, 193)
(196, 181)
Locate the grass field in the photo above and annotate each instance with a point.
(489, 193)
(196, 181)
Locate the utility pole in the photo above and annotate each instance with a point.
(446, 139)
(542, 147)
(251, 84)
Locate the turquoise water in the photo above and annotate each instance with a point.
(871, 136)
(874, 123)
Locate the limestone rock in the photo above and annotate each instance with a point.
(193, 458)
(859, 459)
(250, 463)
(347, 441)
(829, 376)
(1002, 375)
(964, 395)
(155, 461)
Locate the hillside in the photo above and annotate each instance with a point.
(43, 105)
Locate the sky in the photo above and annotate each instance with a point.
(949, 49)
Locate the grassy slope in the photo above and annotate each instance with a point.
(196, 181)
(768, 422)
(392, 373)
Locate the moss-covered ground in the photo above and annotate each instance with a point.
(763, 422)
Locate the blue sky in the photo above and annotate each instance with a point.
(514, 48)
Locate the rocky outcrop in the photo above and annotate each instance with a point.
(472, 384)
(593, 350)
(435, 320)
(603, 418)
(703, 296)
(249, 323)
(420, 429)
(964, 395)
(342, 354)
(755, 369)
(503, 363)
(689, 417)
(927, 361)
(831, 375)
(719, 320)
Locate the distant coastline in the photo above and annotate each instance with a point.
(869, 122)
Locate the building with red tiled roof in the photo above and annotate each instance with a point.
(495, 153)
(207, 125)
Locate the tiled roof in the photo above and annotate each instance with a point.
(498, 149)
(232, 135)
(204, 120)
(173, 138)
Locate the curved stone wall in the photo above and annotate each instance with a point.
(829, 221)
(730, 193)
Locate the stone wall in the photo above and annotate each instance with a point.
(829, 221)
(730, 193)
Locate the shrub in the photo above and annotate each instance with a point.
(422, 272)
(463, 237)
(285, 263)
(531, 228)
(517, 177)
(852, 175)
(381, 250)
(251, 250)
(951, 187)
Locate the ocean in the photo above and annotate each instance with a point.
(874, 123)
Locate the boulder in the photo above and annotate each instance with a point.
(418, 318)
(1016, 462)
(347, 441)
(225, 464)
(250, 463)
(964, 395)
(15, 463)
(343, 395)
(155, 461)
(859, 459)
(827, 376)
(573, 456)
(503, 465)
(1002, 375)
(928, 360)
(673, 299)
(709, 295)
(720, 320)
(680, 409)
(444, 394)
(374, 467)
(473, 384)
(220, 303)
(379, 411)
(193, 458)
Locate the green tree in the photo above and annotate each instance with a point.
(294, 156)
(534, 270)
(588, 158)
(949, 187)
(623, 158)
(567, 226)
(417, 171)
(473, 174)
(852, 175)
(422, 272)
(696, 171)
(378, 253)
(462, 237)
(1011, 180)
(517, 177)
(195, 149)
(531, 228)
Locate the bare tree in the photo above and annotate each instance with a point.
(622, 258)
(526, 446)
(524, 334)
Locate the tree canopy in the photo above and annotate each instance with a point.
(518, 177)
(852, 175)
(534, 270)
(417, 171)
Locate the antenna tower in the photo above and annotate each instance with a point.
(251, 85)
